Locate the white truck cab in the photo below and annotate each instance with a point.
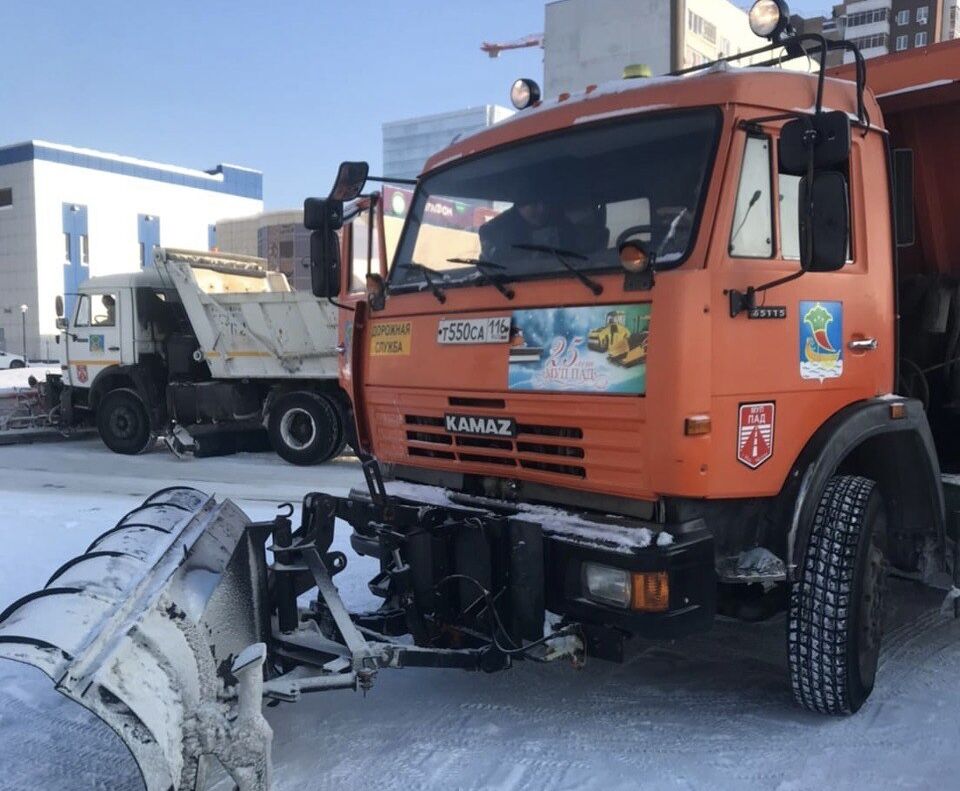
(104, 330)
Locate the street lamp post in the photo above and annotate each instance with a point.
(23, 316)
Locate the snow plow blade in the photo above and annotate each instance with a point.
(159, 630)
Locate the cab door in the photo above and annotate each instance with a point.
(367, 246)
(811, 345)
(94, 340)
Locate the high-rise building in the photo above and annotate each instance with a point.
(408, 143)
(68, 213)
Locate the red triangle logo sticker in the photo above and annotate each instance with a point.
(755, 433)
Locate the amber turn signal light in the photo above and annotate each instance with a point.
(696, 425)
(898, 411)
(633, 258)
(651, 591)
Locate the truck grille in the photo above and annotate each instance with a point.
(536, 447)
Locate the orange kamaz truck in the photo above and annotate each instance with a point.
(775, 255)
(780, 248)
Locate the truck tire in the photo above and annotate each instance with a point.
(304, 428)
(835, 620)
(123, 422)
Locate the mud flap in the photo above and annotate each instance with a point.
(158, 629)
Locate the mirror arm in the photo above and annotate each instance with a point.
(391, 180)
(747, 300)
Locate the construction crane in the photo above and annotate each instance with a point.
(494, 50)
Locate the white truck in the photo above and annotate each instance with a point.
(202, 348)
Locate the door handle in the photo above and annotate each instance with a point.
(862, 345)
(113, 348)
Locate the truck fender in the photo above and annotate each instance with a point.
(866, 439)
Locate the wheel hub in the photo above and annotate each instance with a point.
(298, 428)
(123, 423)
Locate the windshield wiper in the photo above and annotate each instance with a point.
(428, 275)
(485, 267)
(562, 255)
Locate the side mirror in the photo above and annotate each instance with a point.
(903, 197)
(325, 264)
(322, 214)
(825, 136)
(824, 222)
(351, 178)
(59, 306)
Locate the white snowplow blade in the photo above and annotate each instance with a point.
(148, 630)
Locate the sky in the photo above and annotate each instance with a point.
(289, 87)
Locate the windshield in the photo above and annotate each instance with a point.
(582, 192)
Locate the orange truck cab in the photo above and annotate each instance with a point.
(638, 360)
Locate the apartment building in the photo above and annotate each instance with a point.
(879, 27)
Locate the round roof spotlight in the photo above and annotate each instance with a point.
(769, 18)
(524, 93)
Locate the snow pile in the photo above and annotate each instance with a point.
(19, 378)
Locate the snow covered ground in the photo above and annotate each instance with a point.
(709, 712)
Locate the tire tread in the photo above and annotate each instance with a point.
(822, 600)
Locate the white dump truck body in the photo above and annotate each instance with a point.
(249, 323)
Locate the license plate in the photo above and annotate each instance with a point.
(495, 329)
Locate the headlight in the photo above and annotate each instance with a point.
(769, 18)
(642, 591)
(524, 92)
(607, 584)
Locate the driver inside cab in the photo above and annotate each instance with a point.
(579, 229)
(109, 316)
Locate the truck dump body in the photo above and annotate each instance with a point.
(249, 322)
(919, 94)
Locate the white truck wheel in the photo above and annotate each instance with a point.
(304, 428)
(123, 422)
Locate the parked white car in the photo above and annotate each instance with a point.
(8, 360)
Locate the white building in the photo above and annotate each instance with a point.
(407, 144)
(588, 42)
(70, 213)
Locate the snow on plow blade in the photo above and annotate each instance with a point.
(158, 629)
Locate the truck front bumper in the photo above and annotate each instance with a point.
(545, 566)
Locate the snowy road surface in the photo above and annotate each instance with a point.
(710, 712)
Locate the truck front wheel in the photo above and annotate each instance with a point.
(836, 605)
(304, 428)
(123, 422)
